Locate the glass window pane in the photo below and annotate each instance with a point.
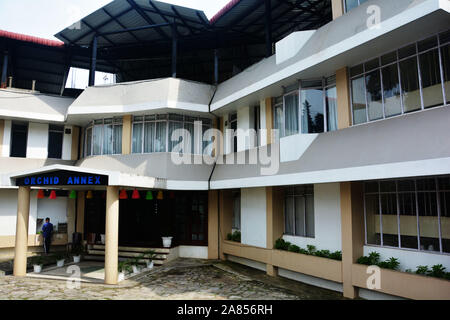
(291, 114)
(410, 85)
(237, 210)
(189, 138)
(431, 79)
(350, 4)
(389, 58)
(117, 139)
(391, 91)
(372, 219)
(372, 64)
(149, 137)
(55, 143)
(444, 199)
(408, 219)
(407, 51)
(312, 111)
(172, 127)
(357, 70)
(97, 141)
(108, 139)
(300, 223)
(289, 216)
(331, 107)
(427, 43)
(137, 138)
(428, 221)
(359, 101)
(310, 216)
(445, 54)
(374, 100)
(278, 119)
(389, 219)
(161, 135)
(88, 146)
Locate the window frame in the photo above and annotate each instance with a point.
(294, 197)
(416, 192)
(101, 122)
(397, 62)
(62, 131)
(20, 123)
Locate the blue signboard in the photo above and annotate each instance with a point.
(63, 178)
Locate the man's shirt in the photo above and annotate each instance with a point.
(47, 229)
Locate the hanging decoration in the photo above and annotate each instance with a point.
(123, 194)
(135, 194)
(172, 195)
(41, 194)
(149, 195)
(89, 195)
(160, 195)
(73, 194)
(53, 195)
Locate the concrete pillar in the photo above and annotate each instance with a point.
(352, 224)
(337, 7)
(275, 221)
(126, 134)
(21, 245)
(112, 235)
(213, 224)
(75, 143)
(225, 217)
(343, 99)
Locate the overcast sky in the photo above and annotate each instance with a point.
(44, 18)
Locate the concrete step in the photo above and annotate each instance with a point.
(127, 254)
(132, 249)
(102, 258)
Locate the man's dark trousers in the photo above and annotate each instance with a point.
(47, 242)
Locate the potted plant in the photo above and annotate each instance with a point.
(60, 258)
(37, 262)
(134, 262)
(123, 268)
(149, 256)
(77, 251)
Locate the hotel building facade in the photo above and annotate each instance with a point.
(350, 106)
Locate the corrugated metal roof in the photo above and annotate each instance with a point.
(27, 38)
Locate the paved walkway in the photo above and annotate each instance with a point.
(188, 279)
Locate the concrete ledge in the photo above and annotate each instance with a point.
(249, 252)
(403, 284)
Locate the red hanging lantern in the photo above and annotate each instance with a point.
(135, 194)
(40, 194)
(53, 195)
(172, 195)
(123, 194)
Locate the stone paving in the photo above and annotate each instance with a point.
(187, 279)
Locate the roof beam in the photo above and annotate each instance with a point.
(146, 17)
(182, 19)
(120, 23)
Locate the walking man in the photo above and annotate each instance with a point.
(47, 231)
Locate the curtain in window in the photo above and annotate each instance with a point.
(189, 138)
(331, 106)
(137, 138)
(278, 119)
(289, 216)
(237, 211)
(117, 139)
(291, 114)
(374, 98)
(359, 101)
(410, 84)
(309, 216)
(172, 127)
(107, 139)
(391, 90)
(445, 54)
(300, 223)
(160, 137)
(88, 147)
(431, 79)
(149, 137)
(97, 141)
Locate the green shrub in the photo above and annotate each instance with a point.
(37, 260)
(337, 255)
(236, 236)
(392, 264)
(125, 266)
(423, 270)
(437, 271)
(60, 255)
(229, 237)
(311, 249)
(294, 248)
(280, 244)
(323, 253)
(371, 260)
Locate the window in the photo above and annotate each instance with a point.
(408, 213)
(104, 137)
(236, 210)
(299, 211)
(351, 4)
(232, 118)
(402, 81)
(19, 135)
(309, 109)
(153, 133)
(55, 141)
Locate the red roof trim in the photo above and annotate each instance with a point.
(224, 10)
(26, 38)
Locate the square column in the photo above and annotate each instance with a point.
(112, 235)
(213, 224)
(21, 245)
(274, 222)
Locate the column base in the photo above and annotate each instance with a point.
(272, 270)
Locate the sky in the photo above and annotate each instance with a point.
(44, 18)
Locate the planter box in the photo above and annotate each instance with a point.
(403, 284)
(311, 265)
(248, 252)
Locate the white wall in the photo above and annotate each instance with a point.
(253, 217)
(37, 140)
(8, 212)
(67, 144)
(197, 252)
(263, 123)
(6, 139)
(410, 259)
(55, 209)
(327, 219)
